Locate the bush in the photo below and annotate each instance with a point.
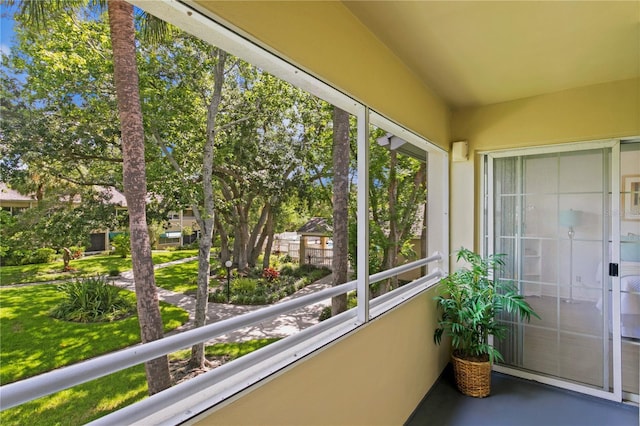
(286, 270)
(91, 300)
(352, 302)
(114, 272)
(325, 314)
(24, 257)
(266, 290)
(243, 286)
(122, 245)
(190, 246)
(43, 255)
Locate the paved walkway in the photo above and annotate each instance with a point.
(281, 326)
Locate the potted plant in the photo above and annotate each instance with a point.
(470, 301)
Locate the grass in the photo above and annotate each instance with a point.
(181, 278)
(41, 343)
(229, 351)
(33, 343)
(90, 265)
(81, 404)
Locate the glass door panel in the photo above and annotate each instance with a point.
(549, 219)
(630, 266)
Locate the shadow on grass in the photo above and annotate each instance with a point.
(83, 403)
(39, 343)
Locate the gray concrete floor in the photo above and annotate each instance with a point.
(517, 402)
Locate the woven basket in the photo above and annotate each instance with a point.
(473, 378)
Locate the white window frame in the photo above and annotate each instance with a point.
(214, 387)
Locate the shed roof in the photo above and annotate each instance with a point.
(316, 226)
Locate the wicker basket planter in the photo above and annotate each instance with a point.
(469, 303)
(473, 378)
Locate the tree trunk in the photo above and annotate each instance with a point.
(206, 220)
(391, 252)
(225, 253)
(255, 242)
(340, 263)
(135, 185)
(269, 231)
(197, 359)
(242, 239)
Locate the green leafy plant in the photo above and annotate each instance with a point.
(470, 302)
(263, 290)
(43, 255)
(91, 300)
(122, 245)
(244, 285)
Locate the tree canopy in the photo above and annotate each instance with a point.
(272, 159)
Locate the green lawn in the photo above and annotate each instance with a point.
(230, 351)
(181, 278)
(42, 343)
(32, 343)
(90, 265)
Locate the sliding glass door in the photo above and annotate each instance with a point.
(550, 213)
(629, 270)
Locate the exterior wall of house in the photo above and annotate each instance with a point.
(603, 111)
(176, 225)
(16, 206)
(347, 55)
(375, 376)
(14, 202)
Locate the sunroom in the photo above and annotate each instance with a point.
(528, 116)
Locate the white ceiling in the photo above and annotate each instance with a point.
(479, 52)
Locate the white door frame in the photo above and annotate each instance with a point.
(487, 235)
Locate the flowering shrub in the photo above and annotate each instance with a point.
(270, 274)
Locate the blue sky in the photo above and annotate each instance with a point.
(6, 28)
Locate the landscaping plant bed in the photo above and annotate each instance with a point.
(269, 288)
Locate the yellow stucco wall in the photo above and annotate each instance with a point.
(588, 113)
(603, 111)
(375, 376)
(347, 56)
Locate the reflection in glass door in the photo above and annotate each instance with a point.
(549, 214)
(630, 268)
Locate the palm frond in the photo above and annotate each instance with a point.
(154, 30)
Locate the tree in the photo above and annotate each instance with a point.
(122, 35)
(135, 184)
(261, 159)
(57, 128)
(184, 78)
(397, 189)
(340, 262)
